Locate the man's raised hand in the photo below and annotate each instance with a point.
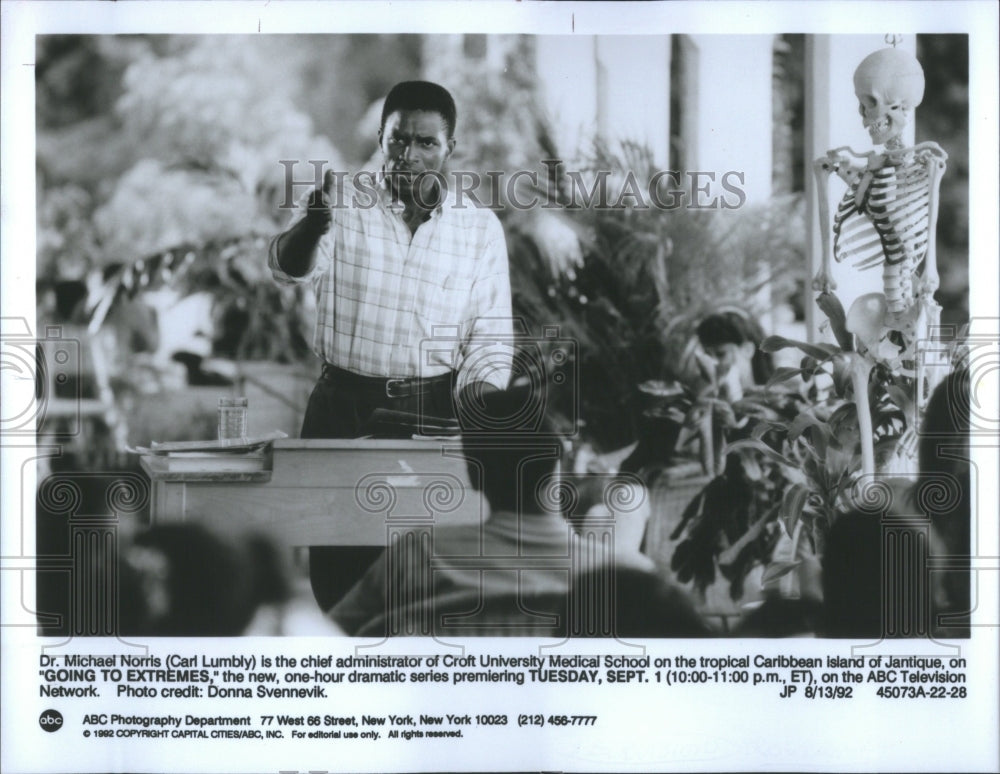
(319, 217)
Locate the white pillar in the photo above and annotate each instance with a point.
(633, 91)
(730, 109)
(832, 121)
(567, 79)
(612, 85)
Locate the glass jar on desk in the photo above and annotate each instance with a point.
(232, 418)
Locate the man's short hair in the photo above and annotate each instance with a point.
(512, 454)
(421, 95)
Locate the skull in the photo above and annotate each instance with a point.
(889, 84)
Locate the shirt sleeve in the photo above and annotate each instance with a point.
(324, 249)
(488, 346)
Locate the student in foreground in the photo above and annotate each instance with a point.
(509, 575)
(524, 571)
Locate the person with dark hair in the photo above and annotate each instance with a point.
(509, 575)
(878, 574)
(421, 95)
(631, 602)
(184, 579)
(729, 358)
(944, 458)
(189, 582)
(733, 340)
(394, 266)
(944, 489)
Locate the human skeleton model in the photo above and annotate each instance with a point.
(888, 216)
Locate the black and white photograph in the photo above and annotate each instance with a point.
(582, 387)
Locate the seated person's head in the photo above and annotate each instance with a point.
(944, 459)
(512, 448)
(870, 586)
(858, 591)
(642, 605)
(732, 338)
(944, 490)
(184, 580)
(853, 582)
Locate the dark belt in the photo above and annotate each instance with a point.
(390, 388)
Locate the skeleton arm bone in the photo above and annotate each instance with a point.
(935, 169)
(935, 364)
(823, 167)
(860, 369)
(839, 161)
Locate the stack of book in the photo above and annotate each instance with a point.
(231, 455)
(387, 423)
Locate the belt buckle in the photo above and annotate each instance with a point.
(390, 384)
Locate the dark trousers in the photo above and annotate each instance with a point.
(341, 407)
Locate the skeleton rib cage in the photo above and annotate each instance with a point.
(887, 224)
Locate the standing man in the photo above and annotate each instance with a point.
(393, 267)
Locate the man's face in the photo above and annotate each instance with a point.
(413, 141)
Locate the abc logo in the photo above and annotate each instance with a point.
(50, 720)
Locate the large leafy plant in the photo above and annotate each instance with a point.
(255, 318)
(645, 278)
(793, 465)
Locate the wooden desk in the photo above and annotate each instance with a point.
(379, 493)
(326, 492)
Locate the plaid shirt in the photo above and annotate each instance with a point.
(394, 304)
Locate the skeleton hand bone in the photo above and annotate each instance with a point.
(929, 282)
(824, 282)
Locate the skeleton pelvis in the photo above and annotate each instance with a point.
(872, 321)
